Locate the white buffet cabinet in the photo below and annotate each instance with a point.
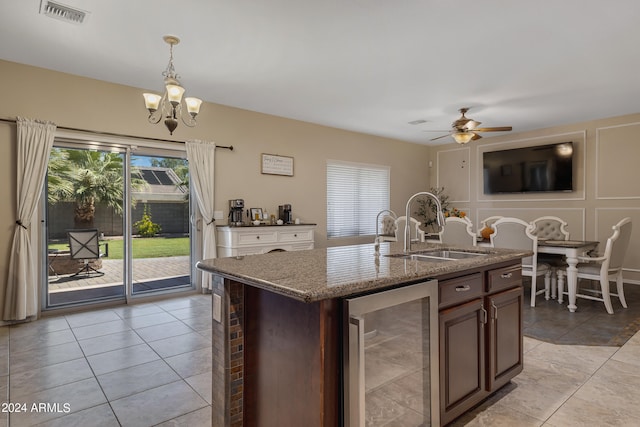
(250, 239)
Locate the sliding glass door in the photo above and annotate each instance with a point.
(85, 199)
(117, 224)
(161, 243)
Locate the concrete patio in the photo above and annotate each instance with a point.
(165, 271)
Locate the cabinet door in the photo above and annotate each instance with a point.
(462, 358)
(504, 336)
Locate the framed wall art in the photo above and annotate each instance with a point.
(273, 164)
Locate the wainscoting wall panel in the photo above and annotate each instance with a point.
(454, 170)
(615, 167)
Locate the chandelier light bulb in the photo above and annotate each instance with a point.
(193, 105)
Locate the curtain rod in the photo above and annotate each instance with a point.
(227, 147)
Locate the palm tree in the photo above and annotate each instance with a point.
(59, 187)
(87, 178)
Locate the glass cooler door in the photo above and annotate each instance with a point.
(391, 357)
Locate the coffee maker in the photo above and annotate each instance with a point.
(284, 213)
(236, 209)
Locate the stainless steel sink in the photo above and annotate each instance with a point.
(419, 257)
(438, 255)
(450, 254)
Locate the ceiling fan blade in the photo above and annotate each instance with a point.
(472, 124)
(443, 136)
(494, 129)
(436, 130)
(476, 136)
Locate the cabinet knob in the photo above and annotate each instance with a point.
(295, 235)
(506, 275)
(258, 237)
(463, 288)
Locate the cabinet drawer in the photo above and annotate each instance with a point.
(295, 236)
(460, 289)
(257, 237)
(504, 278)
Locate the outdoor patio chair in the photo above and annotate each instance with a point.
(84, 245)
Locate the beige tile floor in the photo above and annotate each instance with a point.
(142, 365)
(150, 364)
(567, 385)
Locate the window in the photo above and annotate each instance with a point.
(355, 195)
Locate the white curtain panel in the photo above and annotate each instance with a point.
(201, 156)
(35, 140)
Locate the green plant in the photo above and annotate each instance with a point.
(87, 177)
(146, 227)
(427, 208)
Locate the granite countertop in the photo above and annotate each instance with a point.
(318, 274)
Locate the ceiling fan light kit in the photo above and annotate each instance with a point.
(170, 106)
(462, 137)
(465, 129)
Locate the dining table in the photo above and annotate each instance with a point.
(571, 250)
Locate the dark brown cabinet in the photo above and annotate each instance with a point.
(504, 337)
(480, 326)
(462, 359)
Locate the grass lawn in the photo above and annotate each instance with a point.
(144, 247)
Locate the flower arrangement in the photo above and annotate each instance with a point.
(427, 208)
(455, 212)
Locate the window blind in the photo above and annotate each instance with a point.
(355, 195)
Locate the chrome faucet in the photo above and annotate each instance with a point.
(439, 217)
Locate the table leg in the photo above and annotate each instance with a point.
(572, 281)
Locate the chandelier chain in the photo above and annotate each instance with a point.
(170, 72)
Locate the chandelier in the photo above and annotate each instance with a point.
(170, 106)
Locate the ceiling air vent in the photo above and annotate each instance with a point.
(63, 12)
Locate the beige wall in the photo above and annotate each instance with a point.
(76, 102)
(605, 179)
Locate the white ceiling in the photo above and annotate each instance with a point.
(369, 66)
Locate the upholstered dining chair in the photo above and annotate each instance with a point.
(605, 268)
(386, 226)
(458, 231)
(514, 233)
(551, 228)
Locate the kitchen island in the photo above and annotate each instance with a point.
(278, 327)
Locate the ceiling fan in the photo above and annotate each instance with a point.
(465, 129)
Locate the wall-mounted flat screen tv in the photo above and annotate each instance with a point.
(529, 170)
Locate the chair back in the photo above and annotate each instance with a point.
(617, 245)
(388, 225)
(84, 244)
(457, 231)
(514, 233)
(550, 228)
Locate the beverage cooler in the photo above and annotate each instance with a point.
(391, 369)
